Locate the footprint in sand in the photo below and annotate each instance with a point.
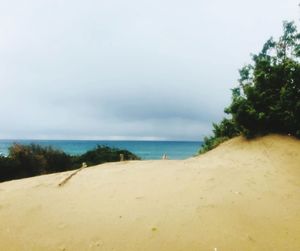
(96, 243)
(154, 229)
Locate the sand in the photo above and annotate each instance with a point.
(243, 195)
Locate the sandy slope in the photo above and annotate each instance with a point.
(240, 196)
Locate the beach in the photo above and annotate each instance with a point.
(243, 195)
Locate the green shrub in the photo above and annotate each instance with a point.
(9, 169)
(31, 160)
(103, 154)
(267, 99)
(223, 131)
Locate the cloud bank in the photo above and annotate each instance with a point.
(126, 69)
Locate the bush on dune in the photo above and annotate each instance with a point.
(222, 132)
(267, 99)
(8, 169)
(102, 154)
(31, 160)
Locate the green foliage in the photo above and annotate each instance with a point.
(221, 132)
(103, 154)
(267, 99)
(269, 91)
(8, 169)
(31, 160)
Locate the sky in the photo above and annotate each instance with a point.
(134, 69)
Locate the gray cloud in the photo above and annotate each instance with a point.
(126, 69)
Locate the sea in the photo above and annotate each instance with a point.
(146, 150)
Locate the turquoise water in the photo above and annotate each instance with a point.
(144, 149)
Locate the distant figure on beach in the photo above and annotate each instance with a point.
(121, 157)
(165, 156)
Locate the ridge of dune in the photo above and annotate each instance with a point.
(243, 195)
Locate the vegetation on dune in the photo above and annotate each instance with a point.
(103, 154)
(31, 160)
(267, 99)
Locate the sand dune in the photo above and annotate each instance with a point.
(243, 195)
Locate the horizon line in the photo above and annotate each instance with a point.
(88, 139)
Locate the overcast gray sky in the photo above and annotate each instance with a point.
(134, 69)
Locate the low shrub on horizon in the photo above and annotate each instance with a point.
(31, 160)
(102, 154)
